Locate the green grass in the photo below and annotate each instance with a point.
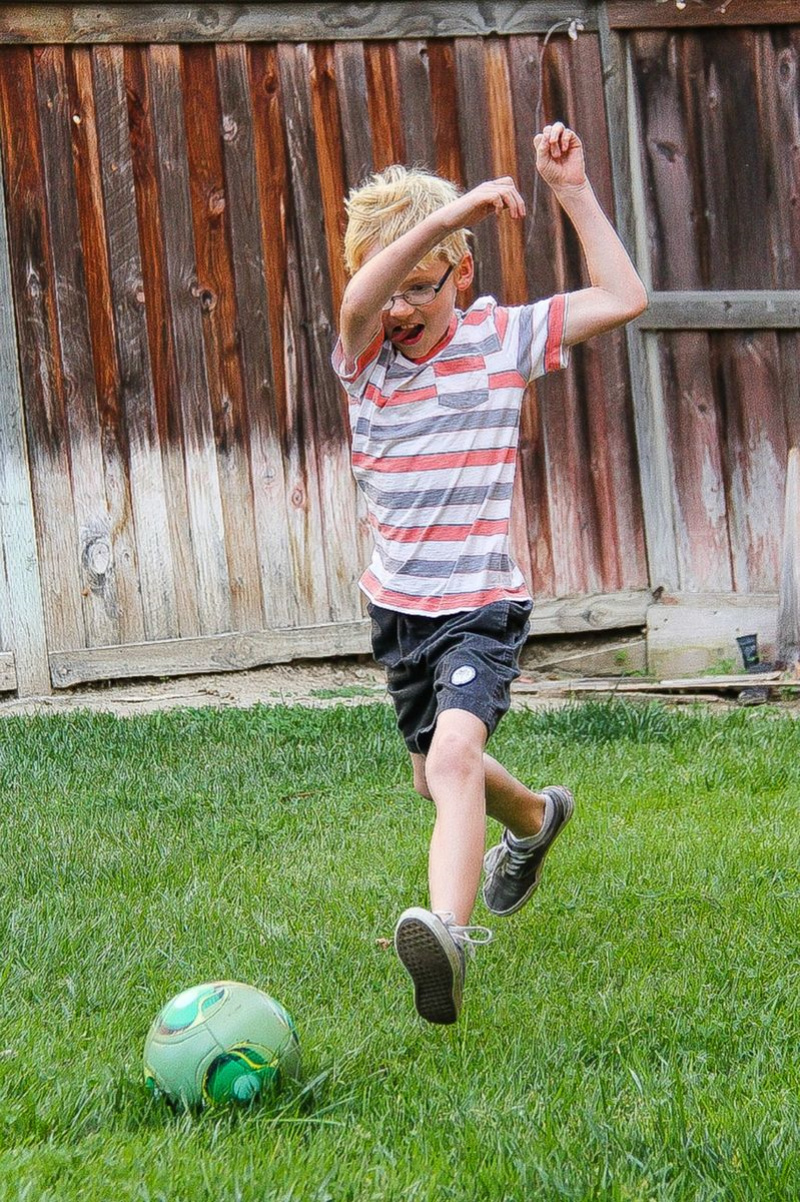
(632, 1034)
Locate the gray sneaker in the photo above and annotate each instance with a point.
(432, 948)
(512, 873)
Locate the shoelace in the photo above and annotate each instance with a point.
(467, 937)
(517, 857)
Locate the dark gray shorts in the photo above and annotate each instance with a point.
(461, 661)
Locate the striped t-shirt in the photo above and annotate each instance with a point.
(435, 450)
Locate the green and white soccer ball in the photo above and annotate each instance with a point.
(220, 1042)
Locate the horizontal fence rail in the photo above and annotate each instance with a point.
(742, 310)
(64, 24)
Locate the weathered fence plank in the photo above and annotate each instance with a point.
(669, 144)
(9, 681)
(22, 624)
(531, 533)
(40, 361)
(217, 653)
(252, 319)
(755, 448)
(562, 403)
(322, 401)
(307, 594)
(215, 290)
(602, 364)
(351, 85)
(413, 71)
(93, 557)
(158, 476)
(476, 152)
(442, 65)
(202, 474)
(114, 441)
(328, 138)
(656, 472)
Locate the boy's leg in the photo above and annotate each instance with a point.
(432, 943)
(454, 771)
(509, 801)
(532, 821)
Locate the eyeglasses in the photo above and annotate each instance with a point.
(419, 294)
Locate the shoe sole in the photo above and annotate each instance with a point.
(437, 992)
(569, 807)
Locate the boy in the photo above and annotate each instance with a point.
(435, 397)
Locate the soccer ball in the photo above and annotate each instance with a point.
(220, 1042)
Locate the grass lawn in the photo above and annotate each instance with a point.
(633, 1033)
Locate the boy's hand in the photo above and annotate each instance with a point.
(559, 157)
(493, 196)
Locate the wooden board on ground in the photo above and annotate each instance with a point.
(689, 633)
(698, 686)
(589, 655)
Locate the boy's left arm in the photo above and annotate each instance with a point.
(617, 294)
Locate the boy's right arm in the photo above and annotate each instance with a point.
(383, 272)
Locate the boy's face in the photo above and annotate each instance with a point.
(416, 329)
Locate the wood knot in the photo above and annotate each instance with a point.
(298, 498)
(96, 558)
(207, 298)
(216, 202)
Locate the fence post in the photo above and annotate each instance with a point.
(788, 650)
(656, 472)
(22, 625)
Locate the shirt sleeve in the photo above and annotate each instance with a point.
(539, 333)
(355, 376)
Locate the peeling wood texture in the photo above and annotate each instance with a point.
(68, 23)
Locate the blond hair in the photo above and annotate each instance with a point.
(392, 202)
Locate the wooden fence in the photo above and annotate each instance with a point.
(175, 492)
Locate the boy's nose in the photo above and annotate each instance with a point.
(399, 304)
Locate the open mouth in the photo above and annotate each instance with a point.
(407, 336)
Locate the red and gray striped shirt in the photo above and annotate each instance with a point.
(435, 451)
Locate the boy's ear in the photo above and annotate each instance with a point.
(464, 273)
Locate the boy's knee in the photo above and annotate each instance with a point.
(455, 755)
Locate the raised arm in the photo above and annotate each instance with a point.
(617, 294)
